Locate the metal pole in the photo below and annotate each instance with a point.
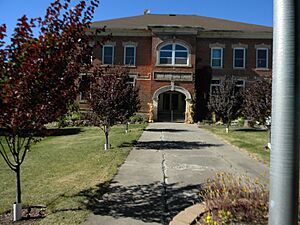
(284, 165)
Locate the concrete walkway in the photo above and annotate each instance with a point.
(163, 174)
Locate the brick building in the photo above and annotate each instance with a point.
(166, 54)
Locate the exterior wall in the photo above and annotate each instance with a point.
(250, 71)
(200, 56)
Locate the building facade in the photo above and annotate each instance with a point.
(166, 54)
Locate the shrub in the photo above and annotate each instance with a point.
(138, 118)
(232, 199)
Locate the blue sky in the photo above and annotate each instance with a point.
(249, 11)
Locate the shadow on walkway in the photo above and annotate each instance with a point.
(173, 145)
(166, 130)
(149, 203)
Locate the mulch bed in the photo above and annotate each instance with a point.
(30, 215)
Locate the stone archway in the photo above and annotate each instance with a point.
(188, 101)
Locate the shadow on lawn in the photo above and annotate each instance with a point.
(149, 203)
(62, 131)
(250, 130)
(173, 145)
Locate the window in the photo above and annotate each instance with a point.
(215, 86)
(239, 57)
(129, 55)
(84, 88)
(108, 55)
(239, 85)
(262, 58)
(217, 57)
(132, 79)
(173, 54)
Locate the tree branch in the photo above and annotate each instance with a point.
(13, 153)
(6, 158)
(26, 148)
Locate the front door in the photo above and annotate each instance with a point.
(171, 107)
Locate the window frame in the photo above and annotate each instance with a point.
(267, 58)
(241, 86)
(113, 54)
(244, 58)
(211, 57)
(134, 77)
(173, 57)
(214, 85)
(134, 55)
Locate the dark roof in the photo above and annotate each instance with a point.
(169, 20)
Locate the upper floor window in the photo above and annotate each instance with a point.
(239, 55)
(108, 54)
(261, 58)
(217, 57)
(129, 55)
(173, 54)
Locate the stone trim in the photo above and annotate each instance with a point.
(131, 43)
(239, 45)
(110, 43)
(263, 45)
(217, 45)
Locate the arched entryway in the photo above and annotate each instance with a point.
(173, 104)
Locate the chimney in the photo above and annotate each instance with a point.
(146, 11)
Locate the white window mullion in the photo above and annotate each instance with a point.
(173, 54)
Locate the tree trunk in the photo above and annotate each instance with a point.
(18, 184)
(227, 128)
(106, 145)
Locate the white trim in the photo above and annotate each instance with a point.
(113, 53)
(134, 54)
(211, 57)
(244, 58)
(267, 58)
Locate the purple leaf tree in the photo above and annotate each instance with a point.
(38, 76)
(113, 99)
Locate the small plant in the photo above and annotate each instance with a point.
(232, 199)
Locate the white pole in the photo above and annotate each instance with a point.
(284, 165)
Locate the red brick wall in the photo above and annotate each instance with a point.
(250, 71)
(200, 56)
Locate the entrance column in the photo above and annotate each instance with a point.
(189, 111)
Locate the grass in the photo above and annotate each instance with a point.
(251, 139)
(58, 168)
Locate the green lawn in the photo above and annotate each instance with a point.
(58, 168)
(250, 139)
